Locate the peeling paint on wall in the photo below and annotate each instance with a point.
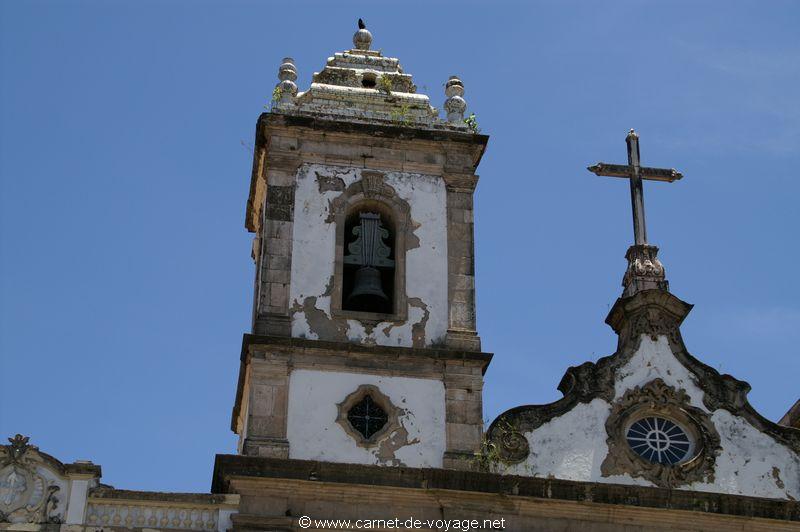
(573, 446)
(751, 462)
(314, 254)
(314, 433)
(387, 449)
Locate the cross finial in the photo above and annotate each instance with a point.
(644, 269)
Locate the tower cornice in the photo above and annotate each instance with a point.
(290, 140)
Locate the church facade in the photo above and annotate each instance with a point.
(359, 400)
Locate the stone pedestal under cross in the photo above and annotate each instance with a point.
(644, 271)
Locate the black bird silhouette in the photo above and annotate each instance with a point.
(361, 25)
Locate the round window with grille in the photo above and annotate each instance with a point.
(659, 440)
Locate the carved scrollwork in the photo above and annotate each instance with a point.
(654, 323)
(644, 270)
(26, 496)
(656, 398)
(651, 312)
(373, 185)
(513, 446)
(505, 440)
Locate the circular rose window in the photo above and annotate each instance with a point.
(659, 440)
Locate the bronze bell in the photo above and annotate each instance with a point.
(367, 291)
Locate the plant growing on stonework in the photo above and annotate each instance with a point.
(385, 84)
(472, 123)
(401, 116)
(489, 458)
(277, 93)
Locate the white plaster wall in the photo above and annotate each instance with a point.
(314, 434)
(573, 446)
(76, 507)
(313, 254)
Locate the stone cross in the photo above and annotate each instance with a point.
(636, 173)
(645, 271)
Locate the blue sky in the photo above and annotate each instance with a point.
(125, 140)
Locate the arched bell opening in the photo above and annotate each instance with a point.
(369, 262)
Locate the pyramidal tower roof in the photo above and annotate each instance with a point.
(362, 85)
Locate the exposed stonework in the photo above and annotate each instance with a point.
(289, 141)
(418, 338)
(263, 402)
(373, 190)
(792, 417)
(414, 205)
(361, 85)
(413, 434)
(388, 447)
(650, 350)
(317, 489)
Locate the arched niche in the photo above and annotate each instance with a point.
(372, 194)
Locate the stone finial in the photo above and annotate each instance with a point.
(287, 74)
(19, 445)
(455, 105)
(362, 39)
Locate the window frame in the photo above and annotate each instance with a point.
(371, 191)
(687, 429)
(392, 414)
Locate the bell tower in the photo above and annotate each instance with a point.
(364, 346)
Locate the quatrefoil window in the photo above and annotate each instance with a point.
(367, 415)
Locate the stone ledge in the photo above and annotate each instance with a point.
(347, 347)
(228, 467)
(295, 344)
(87, 469)
(129, 496)
(371, 129)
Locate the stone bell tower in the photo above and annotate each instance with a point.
(364, 346)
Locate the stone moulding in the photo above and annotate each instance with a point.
(428, 362)
(654, 313)
(657, 398)
(372, 191)
(382, 400)
(252, 474)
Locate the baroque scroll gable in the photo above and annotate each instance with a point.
(647, 377)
